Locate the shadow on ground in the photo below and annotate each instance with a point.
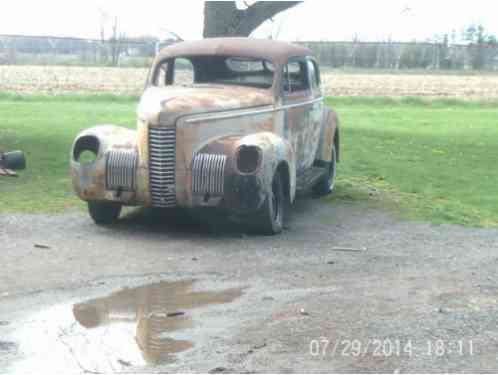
(201, 221)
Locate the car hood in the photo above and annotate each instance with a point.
(166, 105)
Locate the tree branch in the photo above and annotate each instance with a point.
(222, 18)
(261, 11)
(218, 15)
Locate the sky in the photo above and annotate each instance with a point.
(401, 20)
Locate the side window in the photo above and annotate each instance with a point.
(179, 71)
(317, 73)
(295, 77)
(314, 75)
(160, 75)
(184, 72)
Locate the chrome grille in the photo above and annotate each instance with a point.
(208, 174)
(121, 168)
(162, 162)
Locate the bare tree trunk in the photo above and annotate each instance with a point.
(222, 18)
(103, 47)
(400, 49)
(354, 49)
(116, 43)
(378, 55)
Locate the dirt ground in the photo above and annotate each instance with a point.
(65, 80)
(344, 288)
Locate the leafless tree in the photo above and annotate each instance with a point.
(116, 40)
(223, 18)
(113, 45)
(103, 18)
(354, 49)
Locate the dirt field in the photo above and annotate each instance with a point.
(60, 80)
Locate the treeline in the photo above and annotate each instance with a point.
(395, 55)
(478, 54)
(75, 51)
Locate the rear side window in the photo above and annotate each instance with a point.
(240, 65)
(295, 77)
(248, 72)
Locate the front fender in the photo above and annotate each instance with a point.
(247, 191)
(89, 179)
(277, 153)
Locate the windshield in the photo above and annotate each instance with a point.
(227, 70)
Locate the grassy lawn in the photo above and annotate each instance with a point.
(433, 161)
(44, 128)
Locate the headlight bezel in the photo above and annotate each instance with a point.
(248, 159)
(84, 144)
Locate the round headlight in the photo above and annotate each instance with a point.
(248, 159)
(86, 149)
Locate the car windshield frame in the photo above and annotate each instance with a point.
(215, 69)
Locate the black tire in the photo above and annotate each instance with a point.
(104, 213)
(326, 184)
(271, 219)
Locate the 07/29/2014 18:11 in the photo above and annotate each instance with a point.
(388, 347)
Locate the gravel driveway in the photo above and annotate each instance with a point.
(344, 288)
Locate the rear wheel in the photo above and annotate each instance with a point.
(327, 183)
(104, 212)
(271, 219)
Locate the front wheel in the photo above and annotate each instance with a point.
(104, 212)
(271, 219)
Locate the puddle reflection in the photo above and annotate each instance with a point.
(156, 309)
(131, 327)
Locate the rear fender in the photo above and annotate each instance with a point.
(328, 137)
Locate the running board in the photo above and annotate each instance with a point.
(309, 178)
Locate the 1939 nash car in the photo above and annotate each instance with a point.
(235, 124)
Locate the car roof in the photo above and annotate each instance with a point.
(274, 51)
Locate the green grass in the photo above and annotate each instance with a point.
(433, 161)
(427, 160)
(44, 128)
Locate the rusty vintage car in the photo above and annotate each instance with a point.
(230, 123)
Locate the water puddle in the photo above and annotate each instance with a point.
(147, 325)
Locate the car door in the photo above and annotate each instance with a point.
(296, 98)
(313, 131)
